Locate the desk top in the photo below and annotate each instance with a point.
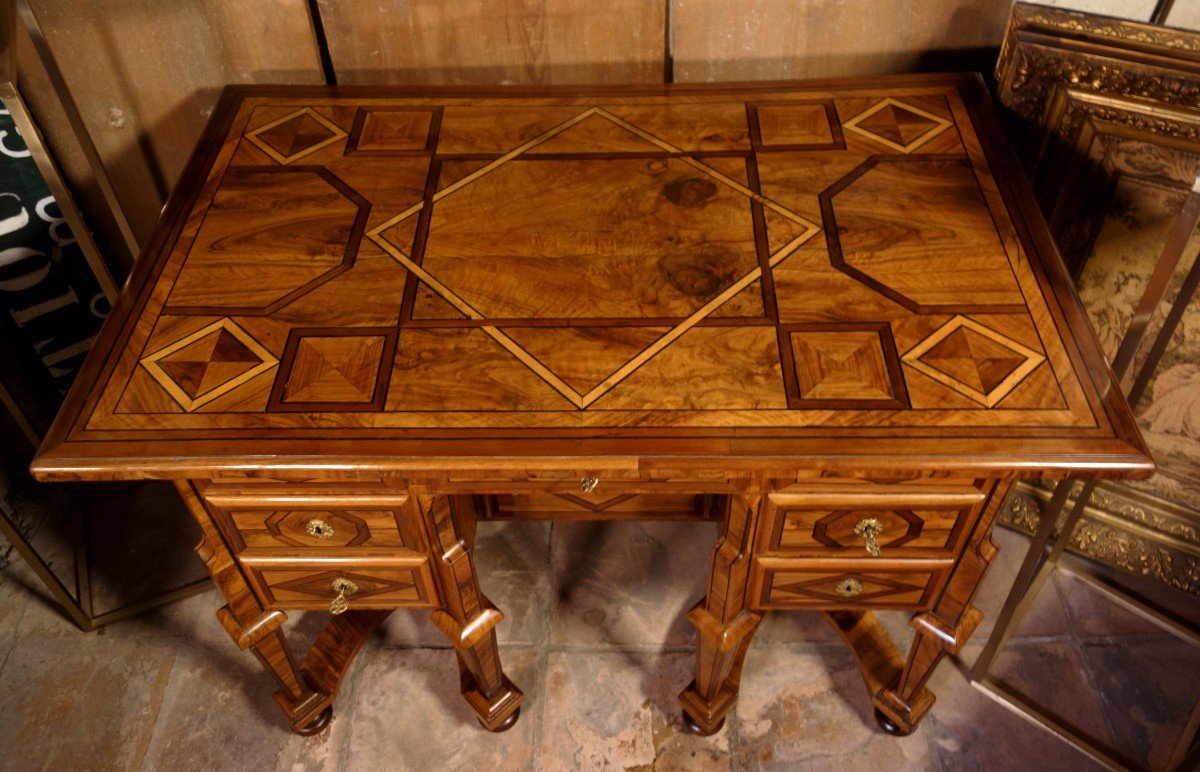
(839, 273)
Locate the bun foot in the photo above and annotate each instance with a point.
(889, 726)
(318, 724)
(690, 724)
(504, 725)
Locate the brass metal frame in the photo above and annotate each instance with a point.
(1039, 563)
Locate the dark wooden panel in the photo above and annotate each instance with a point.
(495, 41)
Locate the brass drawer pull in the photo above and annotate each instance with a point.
(318, 528)
(869, 528)
(848, 587)
(344, 588)
(588, 484)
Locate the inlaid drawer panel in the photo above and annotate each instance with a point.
(382, 582)
(320, 528)
(308, 522)
(872, 524)
(810, 585)
(580, 506)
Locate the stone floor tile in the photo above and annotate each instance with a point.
(1047, 617)
(19, 587)
(217, 713)
(628, 583)
(1148, 688)
(1093, 614)
(1053, 675)
(969, 731)
(513, 546)
(523, 597)
(617, 710)
(513, 560)
(80, 703)
(408, 714)
(807, 707)
(785, 628)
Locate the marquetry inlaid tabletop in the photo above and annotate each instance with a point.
(826, 269)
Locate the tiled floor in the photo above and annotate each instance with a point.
(596, 636)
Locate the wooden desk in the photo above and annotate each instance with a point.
(826, 314)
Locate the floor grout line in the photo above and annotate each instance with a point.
(157, 715)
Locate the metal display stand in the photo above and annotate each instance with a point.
(1051, 538)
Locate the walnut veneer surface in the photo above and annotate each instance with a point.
(826, 314)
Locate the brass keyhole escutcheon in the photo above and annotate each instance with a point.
(848, 587)
(318, 528)
(588, 484)
(869, 528)
(344, 589)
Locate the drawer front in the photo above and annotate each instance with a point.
(798, 584)
(598, 506)
(310, 523)
(871, 524)
(591, 483)
(384, 583)
(320, 528)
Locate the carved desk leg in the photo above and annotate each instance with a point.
(724, 623)
(251, 626)
(466, 617)
(898, 687)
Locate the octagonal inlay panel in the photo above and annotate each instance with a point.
(836, 529)
(270, 236)
(917, 229)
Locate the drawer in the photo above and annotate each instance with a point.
(603, 483)
(599, 506)
(799, 584)
(378, 582)
(871, 523)
(315, 522)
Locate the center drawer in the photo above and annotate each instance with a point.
(606, 505)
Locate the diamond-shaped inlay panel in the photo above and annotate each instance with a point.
(321, 585)
(212, 361)
(296, 135)
(898, 125)
(347, 530)
(619, 262)
(973, 360)
(836, 529)
(825, 587)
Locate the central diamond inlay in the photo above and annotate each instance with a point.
(665, 238)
